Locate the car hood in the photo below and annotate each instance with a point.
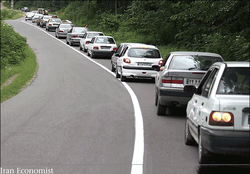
(238, 105)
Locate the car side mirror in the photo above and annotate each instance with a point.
(190, 89)
(156, 67)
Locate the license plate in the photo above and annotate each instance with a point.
(193, 81)
(144, 64)
(105, 47)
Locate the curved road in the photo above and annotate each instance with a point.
(76, 117)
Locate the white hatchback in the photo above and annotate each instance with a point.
(138, 60)
(218, 113)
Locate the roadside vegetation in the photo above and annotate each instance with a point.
(18, 62)
(213, 26)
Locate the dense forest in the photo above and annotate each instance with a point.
(214, 26)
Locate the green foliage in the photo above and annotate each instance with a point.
(12, 46)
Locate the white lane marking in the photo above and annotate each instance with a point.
(138, 154)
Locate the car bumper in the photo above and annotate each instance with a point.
(139, 72)
(103, 53)
(226, 142)
(61, 34)
(75, 40)
(174, 96)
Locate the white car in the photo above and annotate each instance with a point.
(53, 23)
(138, 60)
(87, 37)
(218, 113)
(35, 17)
(29, 16)
(101, 46)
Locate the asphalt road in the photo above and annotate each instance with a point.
(76, 117)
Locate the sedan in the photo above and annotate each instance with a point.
(29, 16)
(138, 61)
(35, 17)
(63, 29)
(179, 69)
(101, 46)
(218, 114)
(44, 20)
(52, 23)
(87, 38)
(75, 34)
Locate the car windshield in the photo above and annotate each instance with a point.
(144, 53)
(79, 30)
(193, 62)
(91, 35)
(106, 40)
(234, 81)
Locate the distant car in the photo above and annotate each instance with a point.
(44, 20)
(218, 114)
(101, 46)
(39, 19)
(74, 35)
(117, 54)
(53, 23)
(25, 9)
(138, 60)
(63, 29)
(29, 16)
(180, 68)
(35, 11)
(35, 17)
(87, 37)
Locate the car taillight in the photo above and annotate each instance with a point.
(87, 42)
(115, 48)
(50, 24)
(60, 31)
(95, 48)
(172, 82)
(126, 60)
(221, 118)
(74, 36)
(26, 16)
(160, 62)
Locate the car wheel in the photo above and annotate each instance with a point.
(123, 78)
(189, 140)
(203, 157)
(48, 29)
(55, 35)
(84, 49)
(156, 96)
(67, 41)
(161, 109)
(112, 67)
(92, 54)
(116, 73)
(80, 47)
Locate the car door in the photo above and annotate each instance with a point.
(82, 40)
(91, 43)
(199, 105)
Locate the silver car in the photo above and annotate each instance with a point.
(36, 17)
(53, 23)
(180, 68)
(75, 34)
(87, 38)
(62, 30)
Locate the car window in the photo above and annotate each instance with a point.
(106, 40)
(124, 51)
(65, 26)
(144, 53)
(234, 81)
(190, 62)
(208, 85)
(79, 30)
(90, 35)
(119, 49)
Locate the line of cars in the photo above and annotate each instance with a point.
(215, 93)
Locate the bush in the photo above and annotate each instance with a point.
(12, 46)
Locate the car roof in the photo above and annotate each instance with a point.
(194, 53)
(141, 45)
(233, 63)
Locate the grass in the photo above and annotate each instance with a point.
(26, 71)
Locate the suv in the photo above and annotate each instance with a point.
(180, 68)
(218, 114)
(138, 60)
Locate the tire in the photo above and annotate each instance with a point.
(203, 155)
(112, 67)
(92, 55)
(123, 78)
(67, 41)
(56, 35)
(116, 73)
(161, 109)
(84, 49)
(189, 140)
(80, 48)
(156, 96)
(88, 53)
